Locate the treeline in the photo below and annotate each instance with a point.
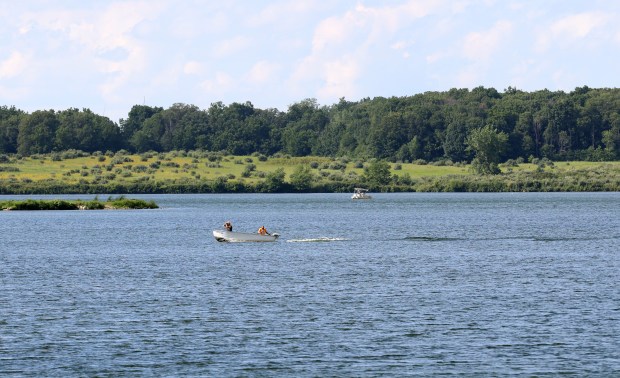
(581, 125)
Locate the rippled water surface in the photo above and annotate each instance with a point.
(405, 284)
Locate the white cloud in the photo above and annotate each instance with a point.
(334, 30)
(469, 76)
(400, 45)
(193, 68)
(167, 77)
(435, 57)
(231, 46)
(343, 45)
(221, 83)
(372, 24)
(13, 65)
(571, 28)
(340, 78)
(262, 72)
(211, 21)
(117, 51)
(94, 33)
(284, 12)
(579, 25)
(479, 46)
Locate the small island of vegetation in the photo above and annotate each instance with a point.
(95, 204)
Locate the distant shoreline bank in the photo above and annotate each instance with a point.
(201, 172)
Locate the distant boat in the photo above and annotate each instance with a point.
(239, 237)
(361, 193)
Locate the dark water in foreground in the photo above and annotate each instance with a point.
(405, 284)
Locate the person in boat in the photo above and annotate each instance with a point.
(228, 226)
(263, 231)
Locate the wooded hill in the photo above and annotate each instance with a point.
(581, 125)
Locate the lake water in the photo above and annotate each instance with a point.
(404, 284)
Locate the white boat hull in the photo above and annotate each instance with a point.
(361, 194)
(240, 237)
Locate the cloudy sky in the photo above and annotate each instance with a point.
(110, 55)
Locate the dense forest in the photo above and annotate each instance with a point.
(581, 125)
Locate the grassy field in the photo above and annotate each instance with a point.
(202, 168)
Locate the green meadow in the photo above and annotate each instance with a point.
(208, 172)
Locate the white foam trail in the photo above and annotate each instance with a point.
(316, 240)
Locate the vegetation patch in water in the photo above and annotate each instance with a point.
(95, 204)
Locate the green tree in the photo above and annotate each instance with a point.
(488, 145)
(304, 123)
(135, 121)
(302, 178)
(454, 142)
(37, 132)
(378, 173)
(274, 181)
(611, 137)
(148, 138)
(9, 128)
(86, 131)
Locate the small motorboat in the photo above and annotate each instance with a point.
(239, 237)
(361, 193)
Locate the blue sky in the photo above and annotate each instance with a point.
(110, 55)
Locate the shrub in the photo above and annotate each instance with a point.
(214, 157)
(73, 154)
(121, 160)
(337, 166)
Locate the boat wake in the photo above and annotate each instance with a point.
(317, 240)
(430, 238)
(524, 238)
